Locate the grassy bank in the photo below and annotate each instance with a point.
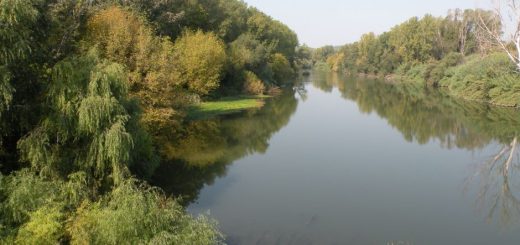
(226, 106)
(490, 79)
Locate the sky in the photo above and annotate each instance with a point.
(337, 22)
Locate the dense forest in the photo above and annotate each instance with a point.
(89, 89)
(464, 52)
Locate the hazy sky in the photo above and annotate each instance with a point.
(336, 22)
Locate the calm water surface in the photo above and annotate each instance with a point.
(350, 161)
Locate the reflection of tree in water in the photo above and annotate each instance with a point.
(201, 152)
(422, 115)
(498, 185)
(300, 87)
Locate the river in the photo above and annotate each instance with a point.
(353, 161)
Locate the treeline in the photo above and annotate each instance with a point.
(455, 51)
(85, 86)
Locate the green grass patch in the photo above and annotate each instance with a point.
(226, 105)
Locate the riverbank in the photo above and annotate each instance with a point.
(226, 105)
(490, 79)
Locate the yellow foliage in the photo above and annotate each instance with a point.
(44, 227)
(335, 61)
(201, 58)
(124, 37)
(252, 84)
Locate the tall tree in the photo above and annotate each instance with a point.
(505, 19)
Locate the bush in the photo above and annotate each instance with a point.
(430, 73)
(413, 73)
(45, 226)
(438, 70)
(492, 79)
(252, 84)
(134, 213)
(36, 210)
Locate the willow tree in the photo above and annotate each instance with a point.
(90, 124)
(17, 20)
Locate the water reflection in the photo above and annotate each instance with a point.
(422, 115)
(320, 180)
(498, 184)
(202, 151)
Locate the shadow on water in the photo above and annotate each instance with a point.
(423, 115)
(203, 150)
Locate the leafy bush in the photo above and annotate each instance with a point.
(37, 210)
(252, 84)
(438, 70)
(138, 214)
(429, 73)
(45, 226)
(26, 193)
(492, 78)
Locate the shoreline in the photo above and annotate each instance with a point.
(395, 79)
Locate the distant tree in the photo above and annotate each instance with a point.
(321, 54)
(368, 53)
(303, 59)
(416, 39)
(335, 61)
(351, 56)
(281, 68)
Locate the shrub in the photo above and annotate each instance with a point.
(492, 78)
(438, 70)
(45, 226)
(37, 210)
(252, 84)
(134, 213)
